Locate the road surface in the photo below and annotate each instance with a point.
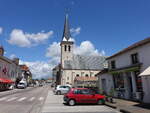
(29, 101)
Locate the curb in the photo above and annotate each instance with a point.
(124, 111)
(112, 106)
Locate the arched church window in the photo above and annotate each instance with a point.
(65, 47)
(77, 75)
(86, 75)
(69, 48)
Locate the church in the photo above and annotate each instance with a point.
(76, 67)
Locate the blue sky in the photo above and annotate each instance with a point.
(108, 25)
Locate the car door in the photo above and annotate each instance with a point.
(92, 97)
(88, 96)
(79, 97)
(65, 89)
(61, 88)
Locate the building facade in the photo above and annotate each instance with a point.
(56, 76)
(9, 70)
(124, 70)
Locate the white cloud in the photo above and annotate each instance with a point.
(87, 48)
(1, 30)
(12, 56)
(17, 37)
(53, 50)
(75, 31)
(21, 39)
(39, 69)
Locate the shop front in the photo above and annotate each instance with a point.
(127, 83)
(5, 84)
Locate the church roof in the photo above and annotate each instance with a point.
(85, 62)
(66, 33)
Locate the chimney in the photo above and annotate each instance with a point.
(1, 51)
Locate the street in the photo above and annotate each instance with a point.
(29, 101)
(42, 100)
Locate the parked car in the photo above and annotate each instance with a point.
(21, 85)
(83, 95)
(11, 87)
(61, 89)
(40, 84)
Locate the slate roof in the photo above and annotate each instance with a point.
(85, 62)
(66, 33)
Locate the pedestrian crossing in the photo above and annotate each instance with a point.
(20, 99)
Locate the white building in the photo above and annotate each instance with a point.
(124, 70)
(76, 65)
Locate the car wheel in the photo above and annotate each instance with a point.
(71, 102)
(58, 92)
(100, 102)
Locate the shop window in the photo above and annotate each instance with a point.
(134, 58)
(118, 81)
(65, 47)
(138, 81)
(113, 64)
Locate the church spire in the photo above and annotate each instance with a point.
(66, 33)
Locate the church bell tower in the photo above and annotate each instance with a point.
(66, 43)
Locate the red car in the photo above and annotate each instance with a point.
(83, 95)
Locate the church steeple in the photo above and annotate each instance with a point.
(66, 44)
(66, 32)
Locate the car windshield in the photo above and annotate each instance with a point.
(21, 83)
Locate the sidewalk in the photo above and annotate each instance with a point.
(126, 106)
(9, 92)
(54, 104)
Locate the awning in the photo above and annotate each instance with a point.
(3, 80)
(146, 72)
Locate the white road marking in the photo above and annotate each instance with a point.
(1, 99)
(21, 99)
(41, 98)
(11, 99)
(32, 98)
